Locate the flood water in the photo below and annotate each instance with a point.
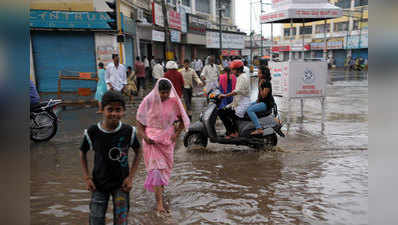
(317, 175)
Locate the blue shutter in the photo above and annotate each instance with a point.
(129, 51)
(54, 51)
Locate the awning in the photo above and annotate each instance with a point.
(301, 13)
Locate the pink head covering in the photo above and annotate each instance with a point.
(151, 113)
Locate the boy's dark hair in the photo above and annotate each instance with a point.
(101, 65)
(137, 58)
(129, 67)
(164, 85)
(187, 61)
(112, 96)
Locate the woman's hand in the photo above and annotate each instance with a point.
(174, 138)
(221, 96)
(148, 140)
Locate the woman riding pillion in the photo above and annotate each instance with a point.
(237, 109)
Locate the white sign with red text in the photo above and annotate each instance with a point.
(299, 79)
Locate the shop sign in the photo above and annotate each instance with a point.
(229, 40)
(336, 43)
(157, 36)
(273, 16)
(196, 24)
(184, 25)
(245, 52)
(157, 14)
(353, 42)
(69, 20)
(230, 52)
(174, 19)
(129, 25)
(175, 36)
(281, 48)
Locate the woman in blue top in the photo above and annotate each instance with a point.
(101, 86)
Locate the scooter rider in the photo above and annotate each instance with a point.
(237, 109)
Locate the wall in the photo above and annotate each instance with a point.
(70, 5)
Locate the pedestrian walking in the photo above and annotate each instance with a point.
(210, 74)
(198, 65)
(157, 71)
(189, 75)
(101, 86)
(131, 88)
(115, 75)
(156, 122)
(140, 75)
(175, 77)
(110, 140)
(147, 68)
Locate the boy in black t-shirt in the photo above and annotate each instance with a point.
(110, 140)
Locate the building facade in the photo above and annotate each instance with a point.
(346, 36)
(75, 35)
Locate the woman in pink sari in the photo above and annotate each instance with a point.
(157, 116)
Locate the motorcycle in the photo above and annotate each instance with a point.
(43, 120)
(203, 130)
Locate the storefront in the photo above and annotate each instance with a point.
(64, 41)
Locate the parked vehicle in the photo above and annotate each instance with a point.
(43, 120)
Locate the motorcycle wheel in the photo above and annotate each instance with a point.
(50, 125)
(195, 139)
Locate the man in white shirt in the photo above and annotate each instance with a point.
(210, 74)
(189, 75)
(157, 71)
(115, 75)
(197, 65)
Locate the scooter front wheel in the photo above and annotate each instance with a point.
(195, 138)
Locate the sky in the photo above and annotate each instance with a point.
(243, 19)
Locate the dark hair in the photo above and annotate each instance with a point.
(240, 70)
(111, 97)
(129, 67)
(227, 70)
(187, 61)
(101, 65)
(114, 56)
(265, 73)
(137, 58)
(164, 85)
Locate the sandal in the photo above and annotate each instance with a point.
(257, 132)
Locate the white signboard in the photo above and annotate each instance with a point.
(158, 15)
(157, 36)
(353, 42)
(175, 36)
(245, 52)
(299, 79)
(229, 41)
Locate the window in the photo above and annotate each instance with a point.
(286, 31)
(361, 3)
(306, 30)
(227, 4)
(186, 2)
(364, 24)
(345, 4)
(320, 28)
(203, 6)
(342, 26)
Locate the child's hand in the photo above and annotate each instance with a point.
(90, 185)
(127, 184)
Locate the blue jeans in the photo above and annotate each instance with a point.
(251, 112)
(99, 205)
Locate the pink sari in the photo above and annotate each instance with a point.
(158, 118)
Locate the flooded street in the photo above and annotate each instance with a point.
(317, 175)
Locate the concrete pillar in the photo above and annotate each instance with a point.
(213, 10)
(233, 12)
(193, 6)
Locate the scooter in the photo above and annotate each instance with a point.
(43, 120)
(203, 130)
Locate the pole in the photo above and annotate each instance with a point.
(272, 41)
(261, 28)
(219, 23)
(360, 29)
(166, 31)
(325, 48)
(291, 40)
(303, 43)
(119, 30)
(251, 34)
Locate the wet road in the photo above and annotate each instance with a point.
(316, 176)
